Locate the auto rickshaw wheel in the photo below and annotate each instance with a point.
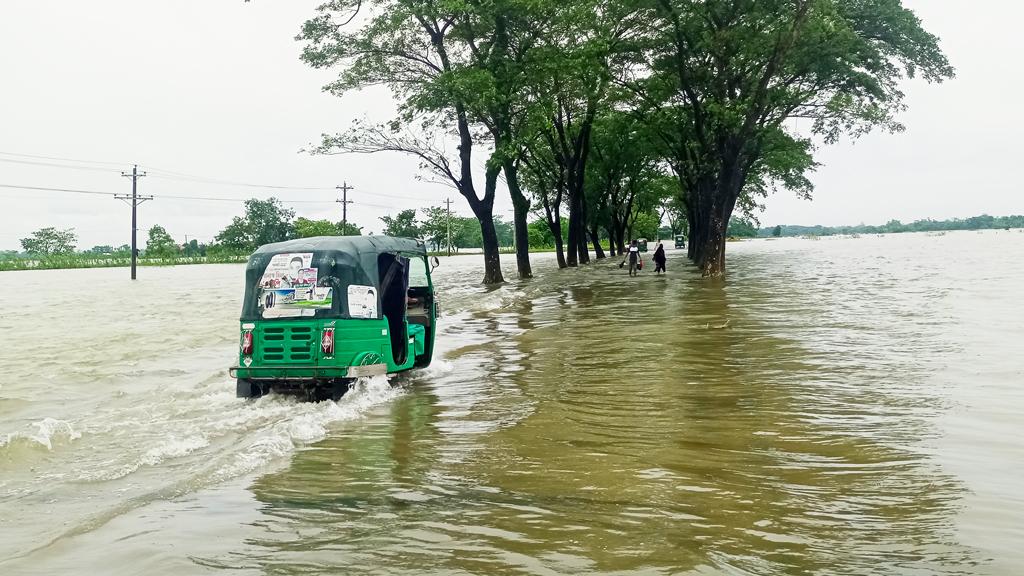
(248, 389)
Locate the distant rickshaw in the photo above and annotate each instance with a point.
(641, 244)
(680, 241)
(320, 312)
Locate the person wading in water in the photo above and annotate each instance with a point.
(659, 258)
(635, 264)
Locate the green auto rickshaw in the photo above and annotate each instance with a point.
(680, 241)
(320, 312)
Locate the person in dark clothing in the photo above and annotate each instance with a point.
(633, 258)
(659, 258)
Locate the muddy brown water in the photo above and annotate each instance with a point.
(860, 412)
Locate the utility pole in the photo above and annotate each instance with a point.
(448, 203)
(344, 205)
(134, 200)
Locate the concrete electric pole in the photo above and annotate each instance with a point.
(134, 200)
(344, 205)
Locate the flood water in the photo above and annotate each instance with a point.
(837, 406)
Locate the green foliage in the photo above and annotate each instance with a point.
(194, 249)
(403, 225)
(466, 233)
(434, 226)
(742, 228)
(777, 231)
(160, 244)
(264, 222)
(726, 75)
(504, 231)
(306, 228)
(646, 226)
(349, 229)
(50, 241)
(540, 234)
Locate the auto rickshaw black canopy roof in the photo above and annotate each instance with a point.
(340, 260)
(348, 244)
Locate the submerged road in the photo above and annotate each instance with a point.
(860, 413)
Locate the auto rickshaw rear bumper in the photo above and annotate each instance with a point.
(306, 372)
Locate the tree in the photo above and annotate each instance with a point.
(731, 72)
(349, 229)
(416, 49)
(646, 226)
(264, 222)
(742, 228)
(777, 232)
(102, 249)
(194, 249)
(434, 226)
(160, 244)
(306, 228)
(50, 242)
(466, 233)
(506, 232)
(403, 225)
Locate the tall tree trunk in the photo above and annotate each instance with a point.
(484, 212)
(574, 239)
(612, 252)
(555, 225)
(584, 218)
(492, 262)
(691, 220)
(595, 238)
(521, 209)
(715, 206)
(560, 249)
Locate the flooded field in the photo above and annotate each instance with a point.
(837, 406)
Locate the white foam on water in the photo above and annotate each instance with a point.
(244, 434)
(171, 448)
(437, 368)
(306, 423)
(49, 431)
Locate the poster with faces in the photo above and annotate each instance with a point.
(362, 301)
(288, 287)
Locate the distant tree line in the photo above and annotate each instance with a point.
(267, 221)
(983, 222)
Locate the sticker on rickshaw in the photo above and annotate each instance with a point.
(362, 301)
(288, 287)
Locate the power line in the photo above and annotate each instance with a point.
(67, 190)
(155, 172)
(53, 165)
(177, 197)
(202, 180)
(38, 157)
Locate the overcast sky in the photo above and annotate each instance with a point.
(215, 89)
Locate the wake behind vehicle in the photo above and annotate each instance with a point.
(320, 312)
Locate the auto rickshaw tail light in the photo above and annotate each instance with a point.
(327, 342)
(247, 343)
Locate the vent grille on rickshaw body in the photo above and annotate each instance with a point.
(287, 344)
